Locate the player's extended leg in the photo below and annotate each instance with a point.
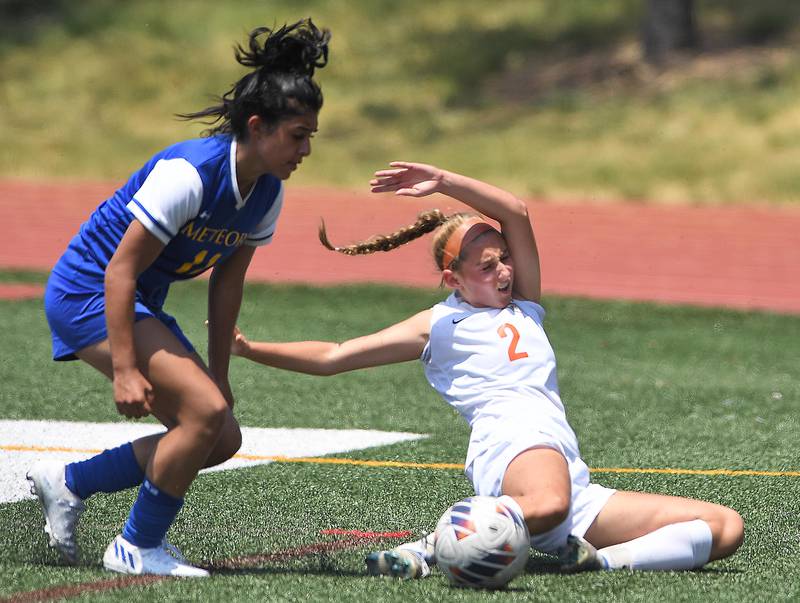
(99, 356)
(63, 488)
(123, 467)
(186, 401)
(638, 530)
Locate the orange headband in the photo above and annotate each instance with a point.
(452, 248)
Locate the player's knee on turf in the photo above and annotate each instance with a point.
(729, 535)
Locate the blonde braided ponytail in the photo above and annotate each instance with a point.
(427, 221)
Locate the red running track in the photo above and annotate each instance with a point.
(738, 257)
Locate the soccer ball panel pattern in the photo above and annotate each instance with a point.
(481, 543)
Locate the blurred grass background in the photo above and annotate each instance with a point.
(551, 99)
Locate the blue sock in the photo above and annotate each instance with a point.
(151, 516)
(110, 471)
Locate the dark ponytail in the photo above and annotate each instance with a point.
(281, 83)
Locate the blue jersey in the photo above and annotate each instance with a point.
(188, 197)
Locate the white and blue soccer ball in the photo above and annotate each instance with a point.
(481, 543)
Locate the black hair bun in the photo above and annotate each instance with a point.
(299, 48)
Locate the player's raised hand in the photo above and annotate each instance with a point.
(410, 179)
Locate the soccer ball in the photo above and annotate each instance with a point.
(481, 543)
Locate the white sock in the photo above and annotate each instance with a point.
(678, 546)
(422, 547)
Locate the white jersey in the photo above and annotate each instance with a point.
(496, 367)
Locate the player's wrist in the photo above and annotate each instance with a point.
(124, 368)
(447, 182)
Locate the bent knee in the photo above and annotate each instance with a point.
(228, 444)
(235, 439)
(231, 440)
(208, 417)
(728, 532)
(546, 512)
(732, 532)
(557, 510)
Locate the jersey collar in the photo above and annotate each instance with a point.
(234, 182)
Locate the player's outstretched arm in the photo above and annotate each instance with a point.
(420, 179)
(398, 343)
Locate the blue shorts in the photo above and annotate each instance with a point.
(76, 315)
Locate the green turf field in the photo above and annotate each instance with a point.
(646, 387)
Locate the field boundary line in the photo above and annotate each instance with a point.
(669, 471)
(442, 466)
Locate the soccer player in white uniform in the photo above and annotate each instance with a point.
(203, 204)
(485, 351)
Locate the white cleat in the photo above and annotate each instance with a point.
(397, 563)
(165, 560)
(407, 561)
(61, 507)
(580, 556)
(174, 551)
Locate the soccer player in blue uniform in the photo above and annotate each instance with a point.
(199, 205)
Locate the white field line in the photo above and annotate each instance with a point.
(24, 442)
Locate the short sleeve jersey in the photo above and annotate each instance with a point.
(480, 360)
(188, 197)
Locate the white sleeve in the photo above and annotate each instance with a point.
(170, 196)
(531, 307)
(264, 230)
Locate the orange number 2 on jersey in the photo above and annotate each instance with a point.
(513, 354)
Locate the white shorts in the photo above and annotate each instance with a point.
(488, 469)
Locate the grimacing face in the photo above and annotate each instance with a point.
(485, 273)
